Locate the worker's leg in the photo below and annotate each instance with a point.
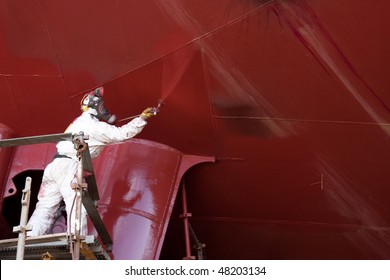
(68, 192)
(49, 198)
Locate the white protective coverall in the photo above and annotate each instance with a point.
(62, 172)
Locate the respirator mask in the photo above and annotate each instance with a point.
(93, 103)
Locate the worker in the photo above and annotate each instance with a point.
(60, 176)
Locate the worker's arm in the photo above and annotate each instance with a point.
(107, 133)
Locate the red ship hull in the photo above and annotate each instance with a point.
(289, 97)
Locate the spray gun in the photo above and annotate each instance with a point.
(155, 111)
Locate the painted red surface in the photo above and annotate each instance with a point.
(136, 198)
(289, 96)
(138, 195)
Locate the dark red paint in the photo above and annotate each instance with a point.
(290, 97)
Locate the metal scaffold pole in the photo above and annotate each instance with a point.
(80, 147)
(185, 217)
(23, 228)
(77, 222)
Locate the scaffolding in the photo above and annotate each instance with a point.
(63, 245)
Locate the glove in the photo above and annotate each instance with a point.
(147, 113)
